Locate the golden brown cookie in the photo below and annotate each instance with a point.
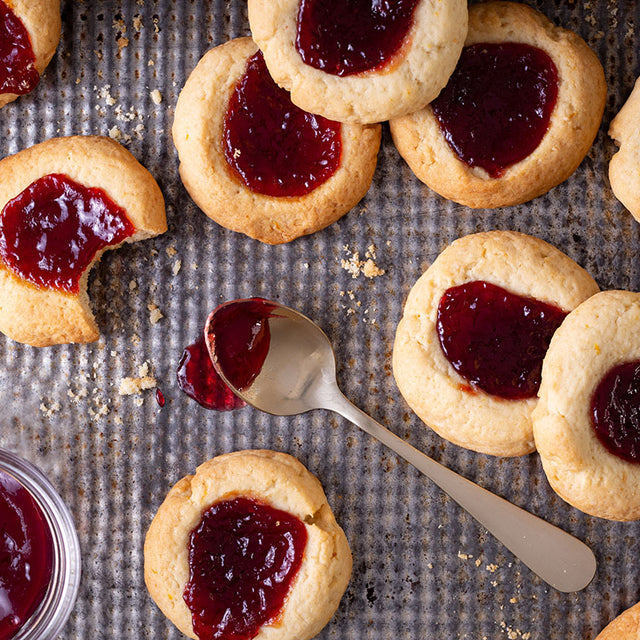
(455, 408)
(201, 138)
(33, 309)
(573, 124)
(407, 82)
(624, 168)
(600, 334)
(41, 18)
(625, 627)
(280, 482)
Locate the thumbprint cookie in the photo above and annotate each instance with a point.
(247, 548)
(62, 204)
(517, 116)
(360, 60)
(256, 163)
(587, 422)
(29, 35)
(475, 329)
(625, 627)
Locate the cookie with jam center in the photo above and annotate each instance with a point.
(359, 60)
(586, 423)
(256, 163)
(517, 116)
(475, 328)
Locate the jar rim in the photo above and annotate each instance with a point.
(53, 612)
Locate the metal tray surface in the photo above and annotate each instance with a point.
(422, 567)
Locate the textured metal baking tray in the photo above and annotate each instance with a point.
(423, 568)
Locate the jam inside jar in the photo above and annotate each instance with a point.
(17, 61)
(497, 105)
(496, 339)
(615, 411)
(26, 556)
(51, 232)
(346, 37)
(272, 146)
(243, 558)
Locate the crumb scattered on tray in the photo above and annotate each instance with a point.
(131, 386)
(156, 96)
(155, 315)
(49, 411)
(356, 267)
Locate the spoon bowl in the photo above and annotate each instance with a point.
(292, 370)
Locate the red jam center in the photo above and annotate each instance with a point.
(200, 381)
(243, 558)
(345, 37)
(495, 339)
(274, 147)
(50, 233)
(497, 105)
(26, 553)
(238, 337)
(17, 71)
(615, 411)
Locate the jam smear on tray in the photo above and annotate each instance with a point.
(26, 556)
(497, 105)
(50, 233)
(200, 381)
(496, 339)
(615, 411)
(274, 147)
(17, 61)
(346, 37)
(243, 558)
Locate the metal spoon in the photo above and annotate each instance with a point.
(299, 374)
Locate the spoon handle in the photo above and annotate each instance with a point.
(561, 560)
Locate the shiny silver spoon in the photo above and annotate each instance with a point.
(296, 372)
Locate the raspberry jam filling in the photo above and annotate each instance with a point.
(17, 71)
(243, 558)
(615, 411)
(275, 148)
(51, 232)
(238, 336)
(345, 37)
(496, 339)
(497, 105)
(26, 556)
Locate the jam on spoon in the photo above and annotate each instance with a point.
(51, 232)
(243, 558)
(241, 337)
(272, 146)
(346, 37)
(26, 556)
(615, 411)
(496, 339)
(497, 105)
(17, 61)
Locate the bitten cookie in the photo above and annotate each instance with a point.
(257, 164)
(624, 168)
(586, 424)
(517, 116)
(476, 325)
(360, 61)
(220, 536)
(29, 35)
(625, 627)
(63, 203)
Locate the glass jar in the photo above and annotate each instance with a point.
(47, 620)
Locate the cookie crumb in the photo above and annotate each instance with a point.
(177, 265)
(131, 386)
(356, 267)
(156, 96)
(492, 568)
(464, 556)
(133, 285)
(171, 251)
(49, 411)
(155, 314)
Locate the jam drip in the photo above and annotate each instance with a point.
(496, 339)
(345, 37)
(17, 71)
(26, 556)
(615, 411)
(497, 105)
(50, 233)
(243, 558)
(274, 147)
